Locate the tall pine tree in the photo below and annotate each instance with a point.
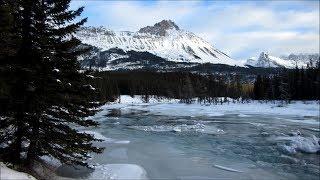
(54, 97)
(14, 75)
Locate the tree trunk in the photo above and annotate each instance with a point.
(17, 144)
(34, 142)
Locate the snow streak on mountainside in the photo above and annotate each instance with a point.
(165, 39)
(291, 61)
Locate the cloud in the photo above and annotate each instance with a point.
(241, 29)
(132, 15)
(248, 44)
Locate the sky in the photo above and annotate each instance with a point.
(242, 29)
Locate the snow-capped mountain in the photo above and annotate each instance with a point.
(165, 39)
(303, 59)
(291, 61)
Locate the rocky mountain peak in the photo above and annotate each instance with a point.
(263, 56)
(167, 24)
(160, 28)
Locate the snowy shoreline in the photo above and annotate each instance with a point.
(8, 173)
(175, 108)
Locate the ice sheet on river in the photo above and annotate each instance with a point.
(201, 128)
(170, 140)
(98, 135)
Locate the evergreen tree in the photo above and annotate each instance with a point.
(52, 96)
(14, 75)
(258, 88)
(70, 96)
(187, 89)
(284, 89)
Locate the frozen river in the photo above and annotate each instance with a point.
(178, 141)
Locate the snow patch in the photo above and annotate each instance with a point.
(10, 174)
(119, 171)
(56, 70)
(90, 76)
(90, 87)
(300, 144)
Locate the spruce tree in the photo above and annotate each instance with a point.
(63, 90)
(14, 74)
(53, 97)
(258, 88)
(284, 90)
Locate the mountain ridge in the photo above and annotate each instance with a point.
(164, 39)
(167, 41)
(301, 60)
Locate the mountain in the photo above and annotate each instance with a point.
(164, 40)
(265, 60)
(116, 59)
(301, 60)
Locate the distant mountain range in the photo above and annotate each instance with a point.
(301, 60)
(164, 46)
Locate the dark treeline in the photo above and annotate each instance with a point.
(297, 84)
(179, 85)
(287, 84)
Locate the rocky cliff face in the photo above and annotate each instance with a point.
(160, 28)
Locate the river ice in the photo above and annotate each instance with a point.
(169, 140)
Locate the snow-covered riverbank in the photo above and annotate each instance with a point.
(10, 174)
(172, 107)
